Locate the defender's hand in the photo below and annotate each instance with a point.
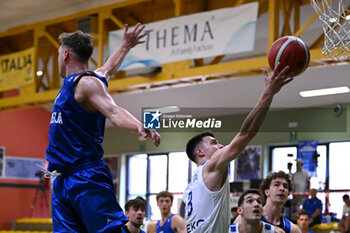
(133, 38)
(151, 133)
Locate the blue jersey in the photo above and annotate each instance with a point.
(284, 223)
(75, 134)
(311, 205)
(166, 228)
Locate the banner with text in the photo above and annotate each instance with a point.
(208, 34)
(16, 69)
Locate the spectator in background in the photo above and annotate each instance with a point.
(313, 207)
(234, 214)
(303, 222)
(170, 223)
(344, 224)
(301, 182)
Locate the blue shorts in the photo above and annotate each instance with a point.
(84, 201)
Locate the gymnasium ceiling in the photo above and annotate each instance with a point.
(15, 13)
(203, 92)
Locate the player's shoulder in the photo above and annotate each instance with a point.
(177, 219)
(268, 228)
(89, 83)
(294, 228)
(151, 227)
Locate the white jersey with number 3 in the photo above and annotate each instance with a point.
(267, 228)
(206, 211)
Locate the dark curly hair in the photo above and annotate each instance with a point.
(266, 183)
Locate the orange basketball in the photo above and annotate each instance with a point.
(289, 51)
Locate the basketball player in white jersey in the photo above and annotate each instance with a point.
(250, 211)
(207, 196)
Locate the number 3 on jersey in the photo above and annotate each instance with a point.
(189, 204)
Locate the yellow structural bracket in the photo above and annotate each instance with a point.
(112, 17)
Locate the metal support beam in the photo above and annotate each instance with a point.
(273, 21)
(110, 18)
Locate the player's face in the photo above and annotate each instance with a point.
(303, 221)
(210, 145)
(278, 191)
(251, 208)
(164, 204)
(135, 216)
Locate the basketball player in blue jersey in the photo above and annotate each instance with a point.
(207, 196)
(250, 211)
(135, 211)
(275, 190)
(83, 199)
(170, 223)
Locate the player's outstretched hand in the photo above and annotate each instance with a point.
(133, 38)
(151, 133)
(277, 79)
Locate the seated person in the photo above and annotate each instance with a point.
(313, 207)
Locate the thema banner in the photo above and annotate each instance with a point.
(16, 69)
(208, 34)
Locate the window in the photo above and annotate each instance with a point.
(339, 165)
(281, 156)
(336, 203)
(178, 176)
(338, 174)
(155, 173)
(139, 164)
(329, 176)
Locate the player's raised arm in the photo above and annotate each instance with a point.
(130, 40)
(255, 118)
(96, 93)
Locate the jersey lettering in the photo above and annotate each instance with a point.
(193, 226)
(190, 205)
(56, 118)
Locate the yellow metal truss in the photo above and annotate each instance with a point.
(43, 36)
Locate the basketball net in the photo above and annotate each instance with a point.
(335, 19)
